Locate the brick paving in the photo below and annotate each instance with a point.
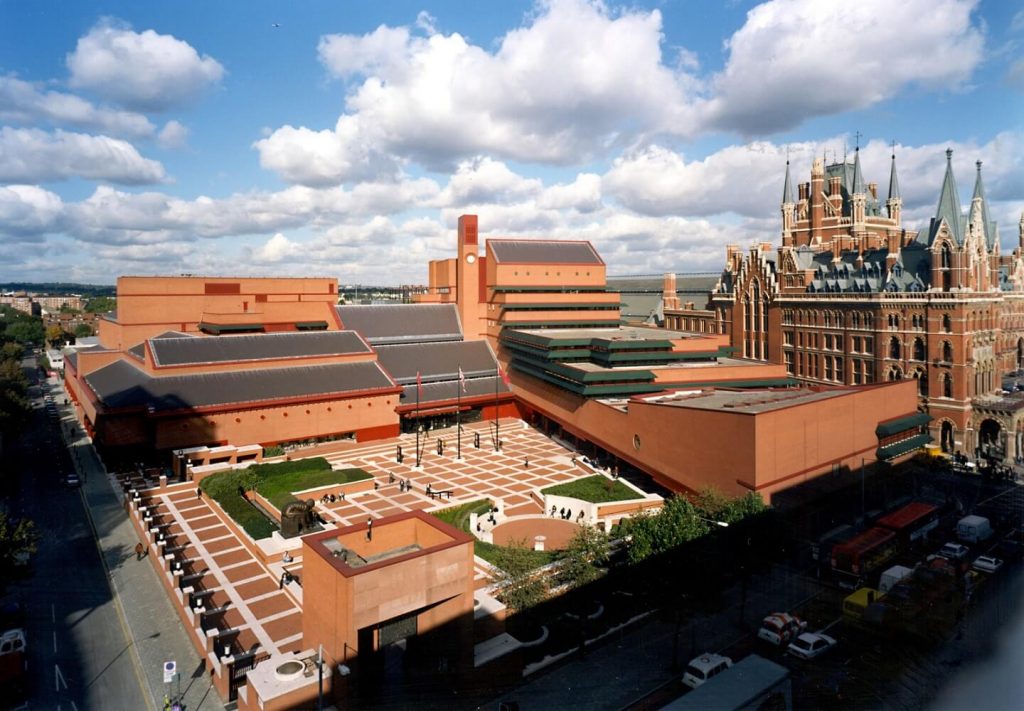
(247, 605)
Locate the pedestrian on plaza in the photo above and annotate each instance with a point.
(561, 512)
(138, 551)
(199, 493)
(391, 477)
(408, 485)
(376, 485)
(369, 528)
(526, 462)
(553, 510)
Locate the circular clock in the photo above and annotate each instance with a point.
(470, 258)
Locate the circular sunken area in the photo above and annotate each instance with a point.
(291, 669)
(557, 533)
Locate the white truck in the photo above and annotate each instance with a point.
(973, 529)
(892, 576)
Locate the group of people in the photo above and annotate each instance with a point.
(405, 485)
(566, 513)
(331, 498)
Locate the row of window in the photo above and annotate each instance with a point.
(857, 319)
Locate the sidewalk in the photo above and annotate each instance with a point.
(150, 620)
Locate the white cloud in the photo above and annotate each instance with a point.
(142, 70)
(276, 249)
(172, 135)
(583, 194)
(23, 102)
(794, 59)
(487, 180)
(28, 210)
(29, 155)
(558, 90)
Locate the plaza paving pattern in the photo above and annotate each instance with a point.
(245, 599)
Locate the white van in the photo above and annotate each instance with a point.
(704, 667)
(892, 576)
(973, 529)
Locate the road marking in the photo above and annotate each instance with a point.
(53, 613)
(58, 678)
(55, 641)
(75, 708)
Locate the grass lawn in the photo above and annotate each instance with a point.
(278, 488)
(596, 489)
(458, 516)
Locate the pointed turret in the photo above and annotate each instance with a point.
(894, 204)
(949, 202)
(894, 183)
(858, 177)
(787, 188)
(979, 194)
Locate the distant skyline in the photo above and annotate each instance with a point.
(345, 139)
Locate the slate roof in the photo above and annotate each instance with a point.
(123, 385)
(543, 252)
(383, 324)
(437, 361)
(446, 390)
(170, 351)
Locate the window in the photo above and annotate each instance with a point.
(894, 348)
(788, 358)
(947, 323)
(828, 368)
(857, 342)
(869, 344)
(947, 351)
(839, 369)
(919, 353)
(787, 337)
(947, 385)
(857, 372)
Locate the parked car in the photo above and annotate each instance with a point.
(810, 645)
(704, 667)
(954, 551)
(780, 628)
(72, 479)
(987, 564)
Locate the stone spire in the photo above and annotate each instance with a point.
(949, 201)
(894, 183)
(787, 189)
(894, 204)
(979, 194)
(858, 177)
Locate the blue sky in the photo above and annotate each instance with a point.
(345, 138)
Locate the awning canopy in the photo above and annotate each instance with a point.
(902, 424)
(891, 451)
(218, 328)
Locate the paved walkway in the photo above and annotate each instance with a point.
(150, 619)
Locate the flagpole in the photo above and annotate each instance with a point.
(497, 435)
(458, 415)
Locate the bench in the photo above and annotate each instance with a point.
(441, 494)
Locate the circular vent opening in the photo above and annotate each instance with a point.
(289, 670)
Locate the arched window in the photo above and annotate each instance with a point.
(947, 323)
(947, 385)
(919, 349)
(894, 348)
(855, 320)
(922, 382)
(947, 351)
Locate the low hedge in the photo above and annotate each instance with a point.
(223, 488)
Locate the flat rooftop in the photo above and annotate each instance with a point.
(720, 362)
(750, 402)
(624, 333)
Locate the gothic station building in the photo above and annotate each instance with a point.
(853, 297)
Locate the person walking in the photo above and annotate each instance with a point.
(199, 493)
(138, 551)
(369, 528)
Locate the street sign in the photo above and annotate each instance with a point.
(170, 669)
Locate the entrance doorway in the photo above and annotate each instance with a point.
(947, 436)
(991, 445)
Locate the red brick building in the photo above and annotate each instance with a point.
(853, 297)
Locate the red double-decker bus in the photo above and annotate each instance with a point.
(862, 554)
(912, 522)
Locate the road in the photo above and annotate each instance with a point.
(80, 656)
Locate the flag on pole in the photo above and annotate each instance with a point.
(462, 379)
(504, 377)
(419, 384)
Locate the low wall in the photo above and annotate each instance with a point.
(606, 513)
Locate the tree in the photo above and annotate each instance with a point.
(26, 330)
(18, 539)
(83, 330)
(650, 534)
(54, 333)
(515, 576)
(100, 304)
(584, 557)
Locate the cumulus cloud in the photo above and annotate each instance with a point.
(582, 194)
(29, 210)
(24, 102)
(794, 59)
(558, 90)
(30, 155)
(141, 70)
(487, 180)
(276, 249)
(172, 135)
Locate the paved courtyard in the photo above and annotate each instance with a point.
(249, 609)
